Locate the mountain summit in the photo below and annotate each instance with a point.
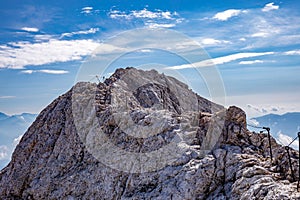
(145, 135)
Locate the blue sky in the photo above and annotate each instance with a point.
(255, 46)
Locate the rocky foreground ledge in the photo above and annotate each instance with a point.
(93, 143)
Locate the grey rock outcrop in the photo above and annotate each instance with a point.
(181, 146)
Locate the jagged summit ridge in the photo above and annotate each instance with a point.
(149, 115)
(143, 135)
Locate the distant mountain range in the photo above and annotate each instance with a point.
(3, 116)
(11, 128)
(281, 125)
(288, 123)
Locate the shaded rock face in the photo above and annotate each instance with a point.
(152, 93)
(215, 157)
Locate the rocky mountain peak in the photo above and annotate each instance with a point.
(144, 135)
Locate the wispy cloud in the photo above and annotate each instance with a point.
(253, 122)
(266, 31)
(212, 41)
(260, 110)
(250, 62)
(259, 29)
(146, 50)
(6, 150)
(7, 97)
(156, 25)
(41, 38)
(30, 29)
(45, 71)
(293, 52)
(286, 140)
(225, 15)
(220, 60)
(116, 14)
(3, 152)
(270, 6)
(86, 10)
(17, 140)
(260, 34)
(157, 14)
(151, 19)
(17, 55)
(90, 31)
(152, 15)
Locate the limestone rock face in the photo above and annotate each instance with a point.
(144, 135)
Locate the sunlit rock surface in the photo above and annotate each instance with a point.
(144, 135)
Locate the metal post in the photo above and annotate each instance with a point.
(270, 146)
(298, 184)
(290, 162)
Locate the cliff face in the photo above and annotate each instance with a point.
(143, 135)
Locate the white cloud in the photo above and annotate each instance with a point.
(19, 54)
(6, 150)
(270, 6)
(46, 71)
(293, 52)
(282, 102)
(225, 15)
(41, 38)
(286, 140)
(250, 62)
(151, 19)
(90, 31)
(109, 48)
(7, 97)
(28, 71)
(260, 110)
(157, 18)
(17, 140)
(233, 57)
(155, 25)
(220, 60)
(253, 122)
(211, 41)
(151, 15)
(116, 14)
(86, 10)
(30, 29)
(158, 14)
(3, 152)
(146, 50)
(260, 34)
